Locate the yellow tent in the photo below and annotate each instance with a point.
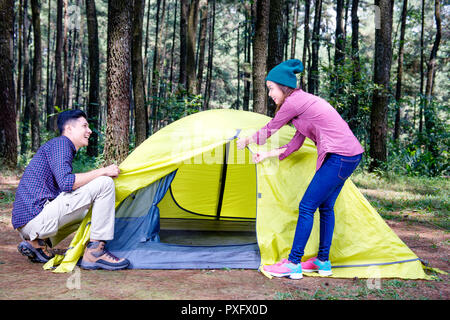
(216, 188)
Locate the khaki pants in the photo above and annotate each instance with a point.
(62, 216)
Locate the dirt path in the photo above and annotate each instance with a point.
(21, 279)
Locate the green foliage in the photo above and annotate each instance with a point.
(340, 89)
(171, 106)
(427, 153)
(415, 160)
(83, 163)
(6, 197)
(416, 153)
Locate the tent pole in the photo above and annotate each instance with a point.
(223, 179)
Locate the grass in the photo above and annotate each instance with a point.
(6, 196)
(358, 290)
(420, 199)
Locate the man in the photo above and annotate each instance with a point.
(51, 201)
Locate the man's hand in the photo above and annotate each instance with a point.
(83, 178)
(111, 171)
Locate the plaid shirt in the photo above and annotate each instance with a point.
(47, 175)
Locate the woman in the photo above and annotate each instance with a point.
(339, 153)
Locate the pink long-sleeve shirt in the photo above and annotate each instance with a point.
(315, 118)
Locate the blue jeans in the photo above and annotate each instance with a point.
(322, 193)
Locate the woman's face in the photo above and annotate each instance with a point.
(275, 92)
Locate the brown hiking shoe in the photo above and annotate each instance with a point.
(97, 257)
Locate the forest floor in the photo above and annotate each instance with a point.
(22, 280)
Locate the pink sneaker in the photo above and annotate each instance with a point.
(314, 264)
(285, 268)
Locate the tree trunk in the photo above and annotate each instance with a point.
(431, 71)
(190, 45)
(313, 75)
(346, 6)
(80, 70)
(156, 72)
(146, 64)
(59, 98)
(19, 63)
(275, 43)
(50, 125)
(295, 28)
(153, 76)
(306, 48)
(36, 79)
(25, 121)
(380, 98)
(66, 56)
(212, 22)
(356, 68)
(8, 134)
(81, 57)
(247, 65)
(94, 74)
(260, 56)
(140, 109)
(172, 49)
(202, 46)
(74, 53)
(398, 88)
(238, 53)
(422, 72)
(184, 9)
(118, 81)
(285, 29)
(339, 49)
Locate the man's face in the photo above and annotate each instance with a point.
(78, 132)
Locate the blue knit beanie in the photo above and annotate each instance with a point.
(284, 73)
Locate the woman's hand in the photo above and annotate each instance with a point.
(243, 142)
(260, 156)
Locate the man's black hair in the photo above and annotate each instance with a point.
(69, 115)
